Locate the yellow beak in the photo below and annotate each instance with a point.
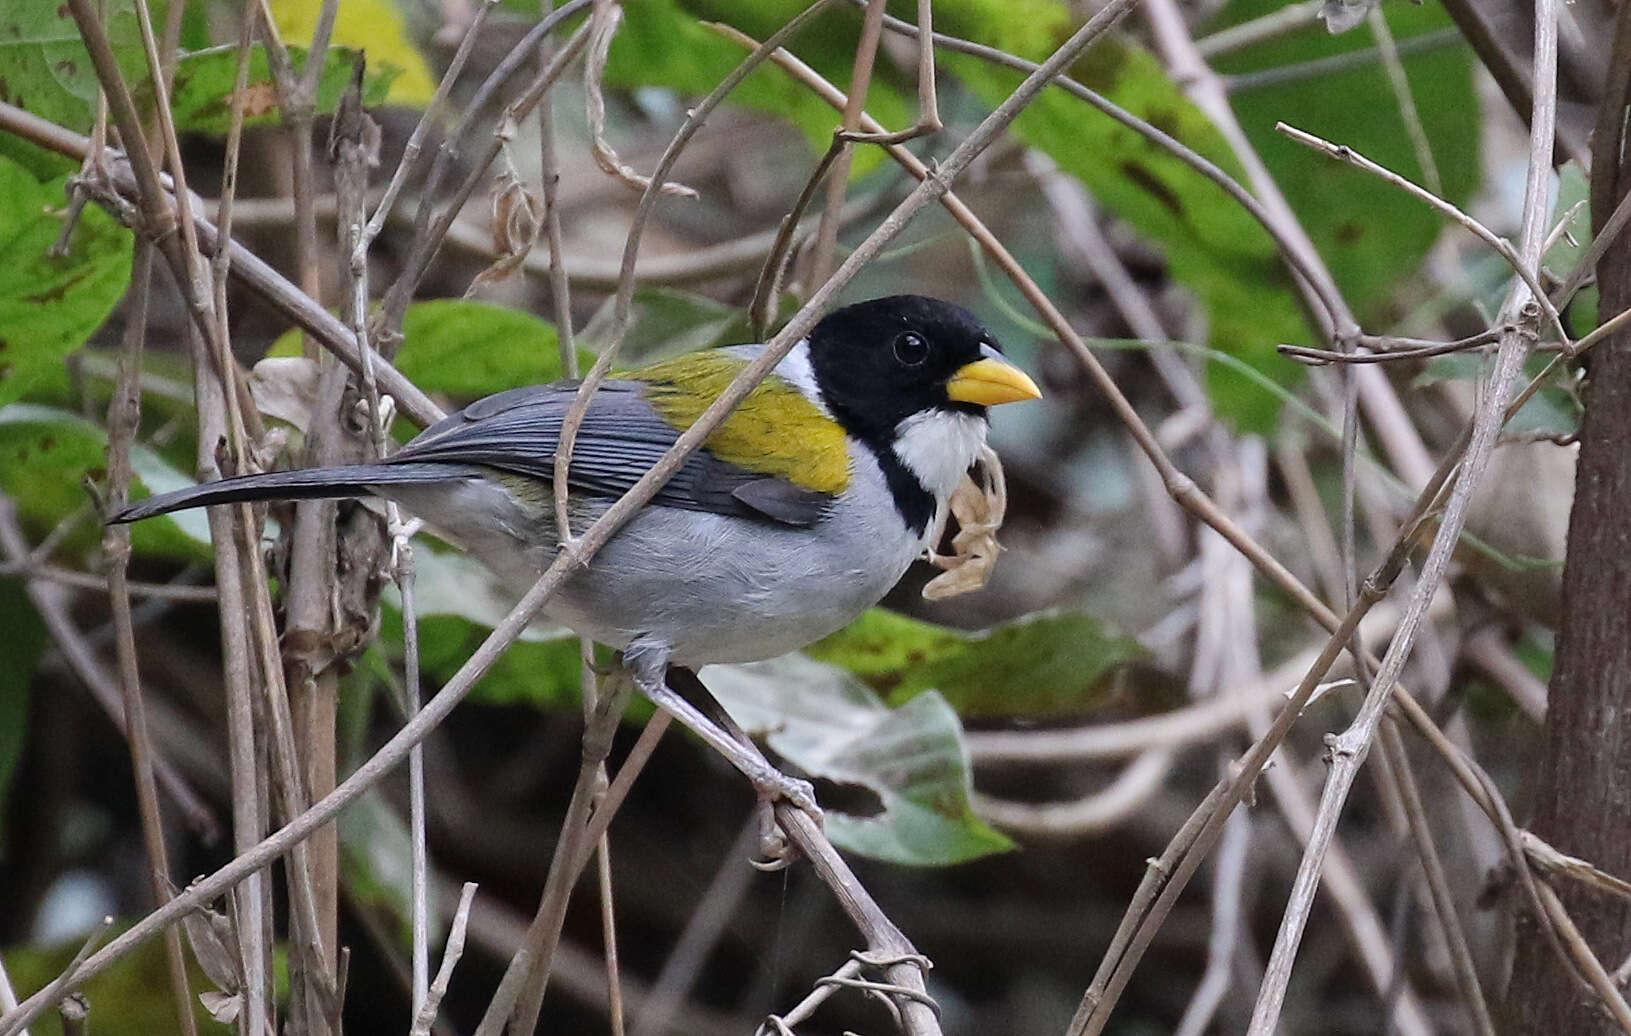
(989, 381)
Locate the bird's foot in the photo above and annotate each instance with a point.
(649, 664)
(773, 786)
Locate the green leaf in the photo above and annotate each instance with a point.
(1372, 235)
(458, 602)
(466, 348)
(130, 998)
(665, 43)
(668, 322)
(1573, 188)
(1554, 411)
(46, 455)
(45, 68)
(1211, 244)
(202, 96)
(49, 305)
(377, 26)
(469, 348)
(20, 650)
(1040, 665)
(377, 854)
(833, 727)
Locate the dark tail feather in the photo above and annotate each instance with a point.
(304, 484)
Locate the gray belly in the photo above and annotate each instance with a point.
(713, 588)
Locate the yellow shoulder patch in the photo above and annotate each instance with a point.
(776, 430)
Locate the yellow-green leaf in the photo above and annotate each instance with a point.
(375, 27)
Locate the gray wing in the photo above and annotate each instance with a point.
(620, 439)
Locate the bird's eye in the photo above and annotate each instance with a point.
(911, 349)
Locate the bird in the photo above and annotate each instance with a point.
(800, 511)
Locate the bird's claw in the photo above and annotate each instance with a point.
(772, 786)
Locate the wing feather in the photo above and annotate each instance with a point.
(621, 438)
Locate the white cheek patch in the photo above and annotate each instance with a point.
(937, 446)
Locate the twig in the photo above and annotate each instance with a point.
(1101, 811)
(1349, 748)
(819, 261)
(1228, 876)
(32, 569)
(700, 263)
(433, 110)
(59, 986)
(1487, 651)
(1438, 883)
(560, 289)
(425, 1016)
(1587, 265)
(1288, 19)
(767, 289)
(430, 226)
(75, 1011)
(1580, 953)
(1344, 153)
(1192, 724)
(1395, 348)
(8, 995)
(1400, 84)
(782, 1024)
(1324, 68)
(124, 417)
(312, 582)
(520, 993)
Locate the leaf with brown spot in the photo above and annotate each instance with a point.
(50, 305)
(206, 81)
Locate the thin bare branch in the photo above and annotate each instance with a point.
(1101, 811)
(124, 418)
(1349, 748)
(860, 80)
(425, 1016)
(1438, 883)
(1501, 245)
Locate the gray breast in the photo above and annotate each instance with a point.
(714, 588)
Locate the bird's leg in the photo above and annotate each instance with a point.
(774, 851)
(649, 664)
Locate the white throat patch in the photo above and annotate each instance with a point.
(938, 446)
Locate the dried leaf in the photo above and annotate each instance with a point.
(517, 218)
(258, 99)
(607, 18)
(223, 1007)
(1341, 15)
(286, 387)
(978, 503)
(214, 943)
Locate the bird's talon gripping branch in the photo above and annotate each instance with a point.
(774, 786)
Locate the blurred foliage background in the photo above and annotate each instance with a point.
(1107, 610)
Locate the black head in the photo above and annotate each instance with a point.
(879, 362)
